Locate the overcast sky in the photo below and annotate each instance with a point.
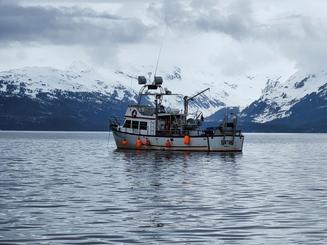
(229, 38)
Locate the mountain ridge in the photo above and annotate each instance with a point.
(79, 95)
(298, 104)
(83, 99)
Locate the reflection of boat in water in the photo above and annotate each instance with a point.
(157, 127)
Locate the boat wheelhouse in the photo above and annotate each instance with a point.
(152, 126)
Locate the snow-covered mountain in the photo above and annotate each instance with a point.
(31, 81)
(122, 85)
(41, 95)
(297, 104)
(82, 98)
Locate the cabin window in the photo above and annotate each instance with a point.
(127, 124)
(143, 125)
(135, 124)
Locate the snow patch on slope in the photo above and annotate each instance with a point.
(78, 78)
(280, 97)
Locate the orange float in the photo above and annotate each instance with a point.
(187, 140)
(138, 143)
(124, 142)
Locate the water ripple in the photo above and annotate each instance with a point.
(75, 188)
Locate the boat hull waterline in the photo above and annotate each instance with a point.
(220, 143)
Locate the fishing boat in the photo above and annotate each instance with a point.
(152, 126)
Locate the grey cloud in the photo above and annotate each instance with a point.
(235, 20)
(207, 15)
(296, 36)
(66, 26)
(233, 25)
(300, 39)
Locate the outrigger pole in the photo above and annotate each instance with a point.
(187, 99)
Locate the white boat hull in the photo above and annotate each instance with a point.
(217, 143)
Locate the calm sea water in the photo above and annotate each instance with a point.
(60, 187)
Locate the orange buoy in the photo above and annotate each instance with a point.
(168, 143)
(147, 142)
(187, 140)
(124, 142)
(138, 143)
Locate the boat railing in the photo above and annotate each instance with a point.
(173, 111)
(231, 133)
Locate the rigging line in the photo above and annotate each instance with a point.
(162, 42)
(210, 97)
(108, 138)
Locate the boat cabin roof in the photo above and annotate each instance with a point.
(137, 111)
(143, 109)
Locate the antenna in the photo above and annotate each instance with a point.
(155, 72)
(162, 42)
